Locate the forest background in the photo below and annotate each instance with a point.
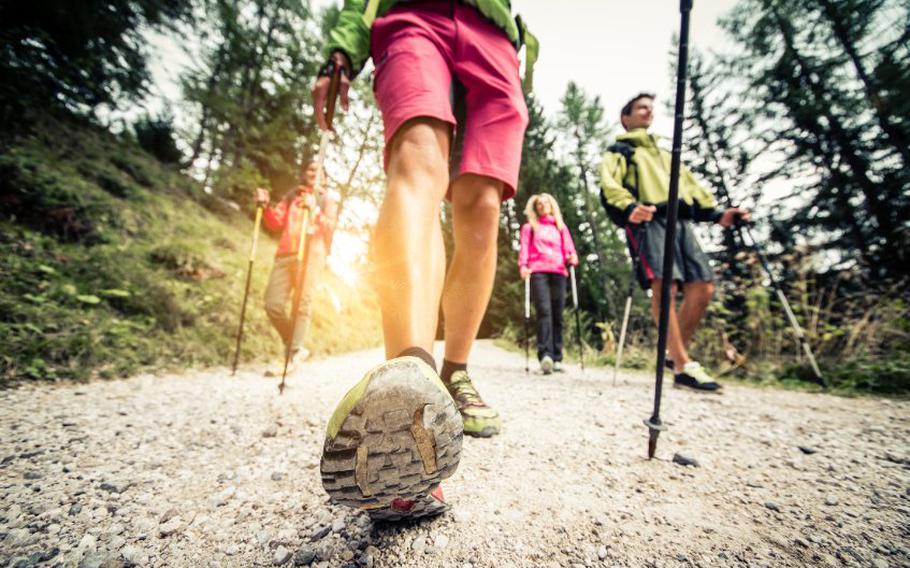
(125, 231)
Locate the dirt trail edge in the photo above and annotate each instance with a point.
(202, 469)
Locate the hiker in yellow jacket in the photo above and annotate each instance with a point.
(635, 177)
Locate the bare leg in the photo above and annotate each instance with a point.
(475, 209)
(675, 344)
(696, 297)
(409, 220)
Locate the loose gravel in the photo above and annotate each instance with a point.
(204, 469)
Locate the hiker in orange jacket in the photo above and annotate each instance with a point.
(286, 217)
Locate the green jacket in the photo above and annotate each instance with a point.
(635, 170)
(352, 32)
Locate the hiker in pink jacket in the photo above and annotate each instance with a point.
(546, 249)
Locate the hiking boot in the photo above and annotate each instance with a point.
(546, 365)
(430, 504)
(393, 437)
(298, 357)
(557, 367)
(479, 419)
(694, 376)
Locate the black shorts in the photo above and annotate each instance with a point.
(646, 245)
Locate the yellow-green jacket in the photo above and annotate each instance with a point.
(636, 171)
(351, 34)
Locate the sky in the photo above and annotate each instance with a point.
(615, 48)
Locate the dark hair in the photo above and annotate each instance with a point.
(306, 163)
(627, 109)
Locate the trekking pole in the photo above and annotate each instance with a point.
(334, 86)
(246, 289)
(300, 266)
(625, 326)
(527, 323)
(653, 423)
(738, 228)
(581, 351)
(797, 329)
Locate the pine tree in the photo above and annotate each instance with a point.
(77, 55)
(252, 94)
(585, 134)
(819, 122)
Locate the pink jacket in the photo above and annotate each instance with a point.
(547, 249)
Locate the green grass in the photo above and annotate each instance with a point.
(113, 264)
(860, 376)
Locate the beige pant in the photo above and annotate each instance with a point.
(280, 292)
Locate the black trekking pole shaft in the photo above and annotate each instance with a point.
(654, 424)
(246, 290)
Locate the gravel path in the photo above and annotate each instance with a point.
(206, 470)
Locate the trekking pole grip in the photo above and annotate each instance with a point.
(334, 87)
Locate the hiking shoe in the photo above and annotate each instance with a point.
(557, 367)
(546, 365)
(391, 440)
(430, 504)
(479, 419)
(694, 376)
(298, 357)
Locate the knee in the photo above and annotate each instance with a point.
(709, 291)
(477, 209)
(419, 153)
(480, 202)
(274, 308)
(703, 293)
(657, 286)
(544, 312)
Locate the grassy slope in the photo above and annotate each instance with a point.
(112, 263)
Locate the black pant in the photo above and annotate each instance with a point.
(548, 291)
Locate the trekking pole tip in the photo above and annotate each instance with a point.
(655, 427)
(652, 443)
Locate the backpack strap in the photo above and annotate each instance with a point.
(627, 151)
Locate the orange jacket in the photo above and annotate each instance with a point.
(286, 215)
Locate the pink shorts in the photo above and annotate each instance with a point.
(419, 48)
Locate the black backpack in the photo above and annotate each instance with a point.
(626, 150)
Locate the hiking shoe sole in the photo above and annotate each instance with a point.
(391, 440)
(487, 432)
(718, 390)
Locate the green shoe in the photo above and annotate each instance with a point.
(391, 440)
(479, 419)
(693, 376)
